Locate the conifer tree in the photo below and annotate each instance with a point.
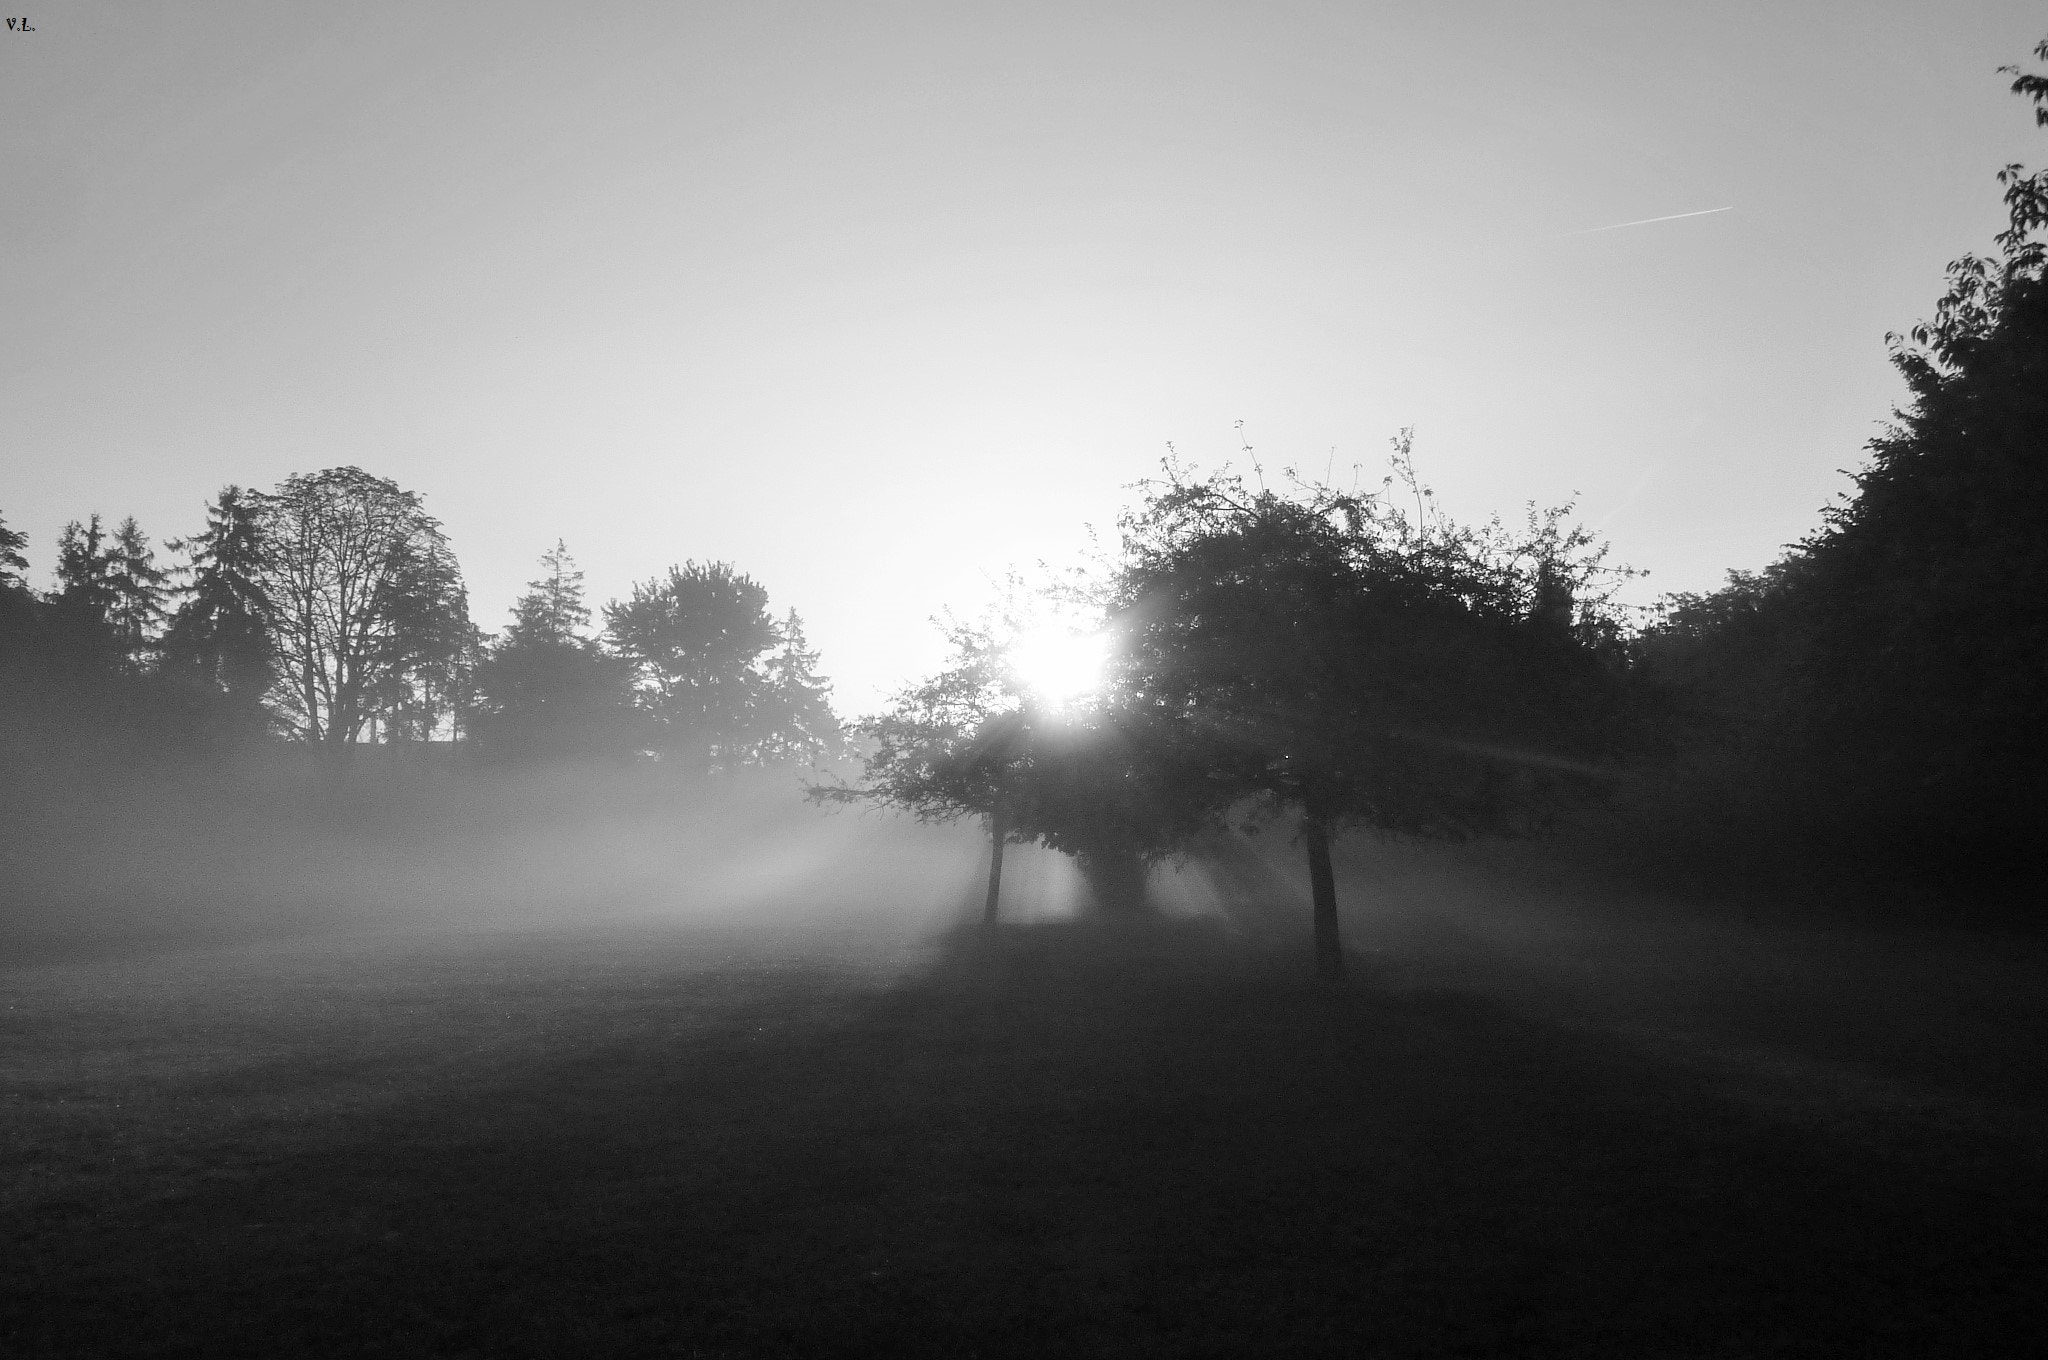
(139, 590)
(219, 634)
(13, 565)
(545, 690)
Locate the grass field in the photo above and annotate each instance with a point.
(1527, 1126)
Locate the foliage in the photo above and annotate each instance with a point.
(219, 635)
(798, 723)
(79, 619)
(76, 679)
(552, 608)
(13, 564)
(726, 685)
(943, 747)
(1330, 651)
(1883, 690)
(545, 690)
(1319, 648)
(369, 617)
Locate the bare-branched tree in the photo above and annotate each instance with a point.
(369, 618)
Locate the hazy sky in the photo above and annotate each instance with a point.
(873, 300)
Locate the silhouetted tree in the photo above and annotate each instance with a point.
(1928, 612)
(948, 748)
(18, 627)
(429, 653)
(799, 721)
(1883, 690)
(368, 614)
(1327, 652)
(139, 591)
(13, 565)
(553, 607)
(545, 690)
(76, 679)
(219, 635)
(79, 618)
(705, 650)
(1091, 778)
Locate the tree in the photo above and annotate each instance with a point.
(705, 650)
(799, 723)
(219, 636)
(1926, 608)
(368, 614)
(80, 615)
(546, 691)
(19, 619)
(1880, 693)
(1329, 654)
(553, 607)
(138, 585)
(946, 748)
(13, 564)
(77, 670)
(1088, 778)
(429, 652)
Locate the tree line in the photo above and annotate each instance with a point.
(1880, 692)
(1875, 703)
(1319, 655)
(331, 612)
(1324, 656)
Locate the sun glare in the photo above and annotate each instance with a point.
(1059, 665)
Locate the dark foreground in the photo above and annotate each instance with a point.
(1071, 1141)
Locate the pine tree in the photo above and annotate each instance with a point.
(800, 722)
(82, 606)
(544, 691)
(139, 591)
(220, 632)
(12, 563)
(553, 605)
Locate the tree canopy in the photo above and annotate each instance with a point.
(725, 683)
(370, 619)
(219, 634)
(1313, 649)
(1882, 691)
(1325, 651)
(545, 690)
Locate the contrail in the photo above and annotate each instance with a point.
(1645, 221)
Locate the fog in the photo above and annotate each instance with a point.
(404, 845)
(273, 847)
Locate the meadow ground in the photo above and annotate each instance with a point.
(1535, 1122)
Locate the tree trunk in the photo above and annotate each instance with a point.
(1116, 881)
(996, 832)
(1323, 882)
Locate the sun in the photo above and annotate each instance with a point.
(1058, 665)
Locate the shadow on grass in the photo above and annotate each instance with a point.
(1071, 1139)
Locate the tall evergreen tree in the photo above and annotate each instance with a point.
(139, 588)
(81, 609)
(220, 632)
(13, 565)
(800, 723)
(545, 691)
(553, 606)
(19, 610)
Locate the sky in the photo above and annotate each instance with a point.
(877, 300)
